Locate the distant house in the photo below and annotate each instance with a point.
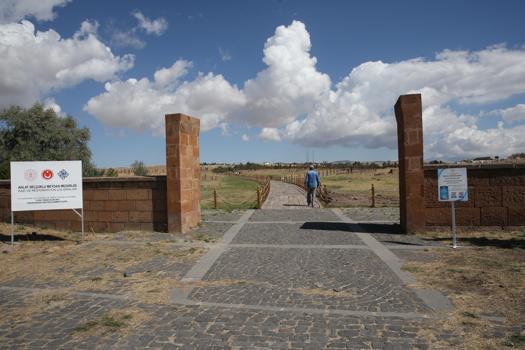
(482, 160)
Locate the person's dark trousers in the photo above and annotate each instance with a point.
(310, 197)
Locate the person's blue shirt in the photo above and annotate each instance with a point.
(312, 179)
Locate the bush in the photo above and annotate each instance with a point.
(138, 168)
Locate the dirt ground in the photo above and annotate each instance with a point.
(143, 269)
(484, 278)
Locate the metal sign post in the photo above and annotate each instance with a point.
(12, 228)
(454, 241)
(452, 187)
(81, 214)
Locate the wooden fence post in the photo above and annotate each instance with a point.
(373, 197)
(214, 198)
(259, 197)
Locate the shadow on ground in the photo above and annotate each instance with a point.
(351, 227)
(488, 242)
(31, 237)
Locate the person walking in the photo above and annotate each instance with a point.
(311, 182)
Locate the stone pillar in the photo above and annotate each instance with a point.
(183, 172)
(410, 152)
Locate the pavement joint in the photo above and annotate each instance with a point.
(433, 299)
(314, 311)
(203, 265)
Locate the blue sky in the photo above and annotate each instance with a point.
(323, 84)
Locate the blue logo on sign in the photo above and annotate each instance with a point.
(63, 174)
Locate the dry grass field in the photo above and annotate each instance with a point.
(484, 280)
(351, 189)
(137, 264)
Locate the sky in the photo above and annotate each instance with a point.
(271, 81)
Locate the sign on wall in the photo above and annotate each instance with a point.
(452, 185)
(46, 185)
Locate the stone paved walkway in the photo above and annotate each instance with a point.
(275, 279)
(286, 196)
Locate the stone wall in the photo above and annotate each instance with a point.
(496, 197)
(111, 204)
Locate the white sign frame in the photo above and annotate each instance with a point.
(46, 185)
(452, 187)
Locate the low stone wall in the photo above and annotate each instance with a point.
(496, 197)
(111, 204)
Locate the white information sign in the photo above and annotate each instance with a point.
(46, 185)
(452, 185)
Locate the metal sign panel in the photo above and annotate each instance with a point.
(452, 185)
(46, 185)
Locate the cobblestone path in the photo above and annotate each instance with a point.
(286, 196)
(275, 279)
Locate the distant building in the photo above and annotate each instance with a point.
(482, 160)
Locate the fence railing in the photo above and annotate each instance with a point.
(255, 200)
(382, 197)
(262, 192)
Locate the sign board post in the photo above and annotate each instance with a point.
(453, 187)
(51, 185)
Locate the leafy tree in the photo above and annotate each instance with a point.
(517, 156)
(111, 172)
(138, 168)
(40, 134)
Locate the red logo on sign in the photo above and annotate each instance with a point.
(47, 174)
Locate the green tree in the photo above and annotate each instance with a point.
(40, 134)
(517, 156)
(138, 168)
(111, 172)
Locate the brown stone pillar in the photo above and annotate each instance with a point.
(410, 151)
(183, 172)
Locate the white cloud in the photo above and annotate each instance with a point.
(35, 64)
(41, 10)
(127, 39)
(290, 85)
(291, 100)
(157, 26)
(270, 134)
(87, 28)
(225, 55)
(130, 37)
(245, 138)
(359, 112)
(142, 104)
(166, 76)
(51, 103)
(513, 114)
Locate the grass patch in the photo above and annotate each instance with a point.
(481, 280)
(186, 252)
(470, 314)
(411, 268)
(518, 339)
(113, 321)
(233, 192)
(204, 238)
